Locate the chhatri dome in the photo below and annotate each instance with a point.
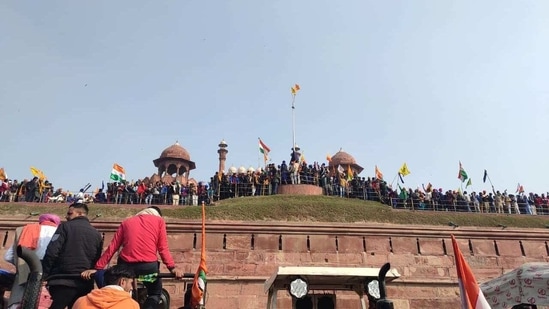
(344, 159)
(174, 164)
(175, 151)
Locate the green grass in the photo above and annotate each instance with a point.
(295, 208)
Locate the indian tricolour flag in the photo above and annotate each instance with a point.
(118, 173)
(264, 149)
(471, 295)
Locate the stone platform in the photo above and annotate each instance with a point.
(300, 190)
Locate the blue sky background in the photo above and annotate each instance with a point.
(429, 83)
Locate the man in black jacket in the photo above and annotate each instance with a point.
(75, 247)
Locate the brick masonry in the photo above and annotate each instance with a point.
(242, 255)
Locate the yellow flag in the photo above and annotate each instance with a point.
(37, 173)
(3, 174)
(302, 158)
(295, 89)
(404, 170)
(350, 174)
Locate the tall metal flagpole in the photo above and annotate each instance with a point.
(293, 123)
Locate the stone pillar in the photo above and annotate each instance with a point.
(178, 166)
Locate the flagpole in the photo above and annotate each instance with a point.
(392, 182)
(293, 123)
(258, 155)
(490, 180)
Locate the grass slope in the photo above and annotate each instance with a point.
(296, 208)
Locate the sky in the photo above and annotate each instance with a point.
(85, 84)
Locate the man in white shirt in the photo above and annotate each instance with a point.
(79, 196)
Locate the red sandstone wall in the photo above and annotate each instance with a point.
(300, 190)
(239, 263)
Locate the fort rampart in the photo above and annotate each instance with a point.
(241, 255)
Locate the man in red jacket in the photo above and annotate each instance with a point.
(141, 238)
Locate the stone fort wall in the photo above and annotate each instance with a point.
(242, 255)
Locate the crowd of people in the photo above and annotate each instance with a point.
(334, 181)
(74, 247)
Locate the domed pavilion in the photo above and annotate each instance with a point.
(345, 160)
(174, 164)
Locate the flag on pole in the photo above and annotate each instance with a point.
(520, 188)
(485, 176)
(3, 175)
(379, 174)
(400, 177)
(471, 295)
(37, 173)
(199, 282)
(118, 173)
(295, 89)
(264, 149)
(328, 158)
(469, 183)
(404, 170)
(462, 175)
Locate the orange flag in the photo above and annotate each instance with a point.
(199, 282)
(471, 295)
(295, 89)
(379, 174)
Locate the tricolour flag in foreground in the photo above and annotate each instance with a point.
(471, 295)
(199, 283)
(118, 173)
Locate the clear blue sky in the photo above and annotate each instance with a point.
(429, 83)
